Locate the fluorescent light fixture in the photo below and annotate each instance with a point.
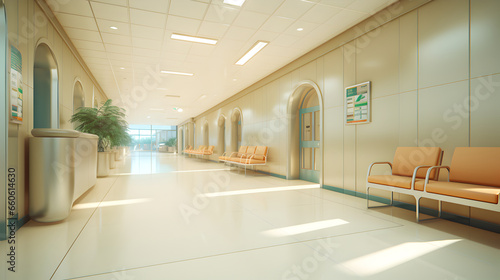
(176, 73)
(300, 29)
(123, 68)
(180, 110)
(114, 27)
(252, 52)
(391, 257)
(173, 96)
(193, 39)
(304, 228)
(148, 117)
(238, 3)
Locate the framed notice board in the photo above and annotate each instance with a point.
(357, 104)
(16, 86)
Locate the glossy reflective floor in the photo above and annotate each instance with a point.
(162, 216)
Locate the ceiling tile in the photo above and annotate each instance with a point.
(369, 6)
(118, 56)
(336, 3)
(146, 44)
(212, 29)
(239, 33)
(110, 12)
(81, 34)
(118, 49)
(285, 40)
(221, 14)
(201, 50)
(75, 7)
(139, 31)
(76, 21)
(277, 24)
(150, 5)
(104, 26)
(88, 45)
(92, 53)
(176, 46)
(306, 26)
(262, 6)
(294, 8)
(112, 2)
(264, 36)
(190, 9)
(183, 25)
(116, 39)
(147, 18)
(320, 14)
(250, 19)
(146, 52)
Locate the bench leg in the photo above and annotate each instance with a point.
(368, 200)
(417, 208)
(440, 208)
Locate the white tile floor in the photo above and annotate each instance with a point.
(171, 217)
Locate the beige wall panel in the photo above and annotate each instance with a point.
(378, 140)
(273, 100)
(443, 34)
(408, 50)
(349, 132)
(408, 119)
(485, 25)
(66, 86)
(258, 106)
(333, 79)
(295, 78)
(320, 75)
(12, 11)
(308, 72)
(285, 91)
(334, 142)
(65, 115)
(485, 116)
(485, 215)
(439, 124)
(377, 59)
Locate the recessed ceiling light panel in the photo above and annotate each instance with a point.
(252, 52)
(238, 3)
(193, 39)
(176, 73)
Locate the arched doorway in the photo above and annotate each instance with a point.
(236, 120)
(305, 134)
(46, 89)
(78, 98)
(206, 135)
(221, 139)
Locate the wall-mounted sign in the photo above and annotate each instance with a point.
(16, 86)
(357, 104)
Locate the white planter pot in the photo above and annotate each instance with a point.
(103, 164)
(112, 161)
(119, 154)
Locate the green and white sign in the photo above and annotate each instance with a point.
(16, 85)
(357, 104)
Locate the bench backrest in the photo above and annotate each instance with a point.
(211, 148)
(251, 150)
(260, 152)
(476, 165)
(407, 158)
(242, 150)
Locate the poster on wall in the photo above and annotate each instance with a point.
(16, 86)
(357, 104)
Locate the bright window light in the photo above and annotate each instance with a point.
(391, 257)
(110, 203)
(193, 39)
(238, 3)
(176, 73)
(250, 191)
(252, 52)
(304, 228)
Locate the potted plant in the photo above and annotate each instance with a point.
(171, 143)
(108, 123)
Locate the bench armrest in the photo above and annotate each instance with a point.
(429, 173)
(378, 162)
(415, 175)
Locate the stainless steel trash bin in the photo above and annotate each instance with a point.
(54, 164)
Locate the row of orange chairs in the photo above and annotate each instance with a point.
(246, 156)
(202, 150)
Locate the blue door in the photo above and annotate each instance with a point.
(309, 144)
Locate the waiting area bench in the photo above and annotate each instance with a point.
(246, 156)
(201, 151)
(473, 178)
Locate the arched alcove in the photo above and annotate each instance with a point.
(46, 89)
(78, 98)
(236, 129)
(221, 138)
(305, 144)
